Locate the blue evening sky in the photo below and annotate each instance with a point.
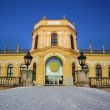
(91, 17)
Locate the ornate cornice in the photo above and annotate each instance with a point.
(54, 47)
(53, 26)
(11, 54)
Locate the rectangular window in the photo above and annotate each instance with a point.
(54, 39)
(72, 42)
(36, 42)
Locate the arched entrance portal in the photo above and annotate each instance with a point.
(54, 71)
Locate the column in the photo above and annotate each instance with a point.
(4, 71)
(105, 71)
(16, 71)
(92, 71)
(40, 76)
(33, 42)
(67, 73)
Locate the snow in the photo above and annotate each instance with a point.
(54, 98)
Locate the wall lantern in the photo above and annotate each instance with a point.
(28, 59)
(82, 59)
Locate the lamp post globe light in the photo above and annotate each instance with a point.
(28, 59)
(82, 59)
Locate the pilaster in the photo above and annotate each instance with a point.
(40, 76)
(105, 71)
(92, 72)
(67, 75)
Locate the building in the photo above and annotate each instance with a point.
(54, 50)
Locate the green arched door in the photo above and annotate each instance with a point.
(54, 71)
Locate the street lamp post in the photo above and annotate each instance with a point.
(82, 59)
(28, 59)
(26, 76)
(82, 75)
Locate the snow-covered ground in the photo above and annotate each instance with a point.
(54, 98)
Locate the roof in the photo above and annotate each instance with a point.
(22, 51)
(46, 22)
(94, 51)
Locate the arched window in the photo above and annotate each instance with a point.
(72, 41)
(10, 70)
(54, 39)
(109, 71)
(98, 71)
(73, 71)
(34, 71)
(36, 42)
(85, 67)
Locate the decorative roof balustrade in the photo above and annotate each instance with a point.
(21, 51)
(94, 51)
(14, 51)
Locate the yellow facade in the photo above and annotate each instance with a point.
(63, 51)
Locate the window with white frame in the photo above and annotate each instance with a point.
(54, 39)
(98, 71)
(36, 42)
(10, 70)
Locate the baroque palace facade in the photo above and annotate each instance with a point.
(54, 50)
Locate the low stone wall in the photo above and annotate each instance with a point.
(4, 88)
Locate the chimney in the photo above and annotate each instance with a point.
(6, 48)
(17, 48)
(44, 18)
(103, 49)
(90, 48)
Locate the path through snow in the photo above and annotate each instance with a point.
(54, 98)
